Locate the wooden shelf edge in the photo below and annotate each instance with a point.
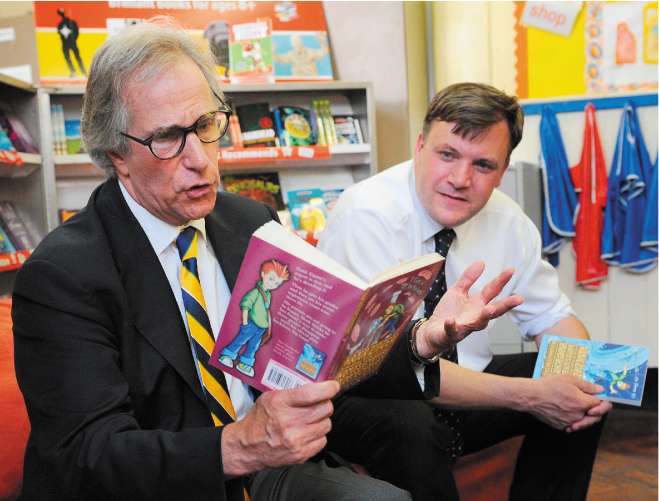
(30, 163)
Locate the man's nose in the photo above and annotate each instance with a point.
(194, 154)
(460, 176)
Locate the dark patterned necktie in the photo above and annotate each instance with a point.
(452, 419)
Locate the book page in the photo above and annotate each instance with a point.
(406, 267)
(279, 236)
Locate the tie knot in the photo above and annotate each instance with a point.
(443, 240)
(186, 243)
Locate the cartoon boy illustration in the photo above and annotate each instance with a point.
(255, 329)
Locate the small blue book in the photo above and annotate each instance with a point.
(619, 368)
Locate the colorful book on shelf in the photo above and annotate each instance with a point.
(302, 55)
(324, 122)
(58, 128)
(293, 126)
(5, 243)
(256, 125)
(5, 143)
(296, 316)
(14, 227)
(16, 131)
(73, 138)
(348, 130)
(250, 52)
(620, 369)
(263, 187)
(217, 34)
(308, 209)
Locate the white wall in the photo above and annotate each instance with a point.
(368, 44)
(624, 309)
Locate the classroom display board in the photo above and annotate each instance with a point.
(259, 41)
(611, 48)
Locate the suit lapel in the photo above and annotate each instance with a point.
(229, 244)
(154, 308)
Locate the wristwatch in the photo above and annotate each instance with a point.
(413, 349)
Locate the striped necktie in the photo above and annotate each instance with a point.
(199, 329)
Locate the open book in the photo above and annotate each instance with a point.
(296, 316)
(619, 368)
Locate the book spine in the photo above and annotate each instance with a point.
(328, 121)
(5, 243)
(14, 227)
(234, 130)
(358, 130)
(14, 138)
(317, 117)
(279, 128)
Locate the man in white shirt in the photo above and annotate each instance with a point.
(449, 189)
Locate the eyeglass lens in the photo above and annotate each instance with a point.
(209, 128)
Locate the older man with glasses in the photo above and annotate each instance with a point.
(116, 311)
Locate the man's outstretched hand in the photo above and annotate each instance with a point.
(458, 313)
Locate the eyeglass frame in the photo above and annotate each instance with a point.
(225, 108)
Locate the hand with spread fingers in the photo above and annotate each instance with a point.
(459, 313)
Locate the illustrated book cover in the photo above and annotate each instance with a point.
(250, 52)
(302, 55)
(263, 187)
(297, 317)
(619, 368)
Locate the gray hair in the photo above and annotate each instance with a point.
(474, 108)
(136, 54)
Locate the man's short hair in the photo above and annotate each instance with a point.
(474, 108)
(136, 54)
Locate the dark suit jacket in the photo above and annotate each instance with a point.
(104, 364)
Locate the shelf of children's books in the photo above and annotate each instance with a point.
(291, 157)
(13, 260)
(17, 164)
(78, 165)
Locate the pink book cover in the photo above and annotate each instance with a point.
(285, 322)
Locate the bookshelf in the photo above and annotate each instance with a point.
(40, 185)
(337, 166)
(23, 181)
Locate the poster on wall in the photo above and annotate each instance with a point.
(612, 48)
(68, 33)
(621, 46)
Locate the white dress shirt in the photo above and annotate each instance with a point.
(162, 237)
(381, 222)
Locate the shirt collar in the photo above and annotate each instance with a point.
(159, 233)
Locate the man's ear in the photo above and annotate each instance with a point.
(119, 162)
(503, 171)
(420, 139)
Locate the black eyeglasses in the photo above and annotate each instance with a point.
(169, 142)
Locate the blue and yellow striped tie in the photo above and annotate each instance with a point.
(199, 327)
